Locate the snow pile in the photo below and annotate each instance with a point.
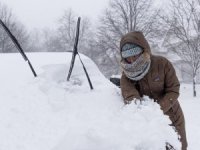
(138, 127)
(48, 113)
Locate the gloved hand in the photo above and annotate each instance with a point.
(135, 100)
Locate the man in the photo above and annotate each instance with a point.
(154, 76)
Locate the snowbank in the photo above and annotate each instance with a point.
(48, 113)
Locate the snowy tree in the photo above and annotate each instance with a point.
(52, 41)
(6, 45)
(36, 41)
(67, 32)
(123, 16)
(184, 22)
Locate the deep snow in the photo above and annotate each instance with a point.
(49, 113)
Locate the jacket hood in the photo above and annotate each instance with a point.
(135, 37)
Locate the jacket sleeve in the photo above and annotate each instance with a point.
(171, 88)
(128, 89)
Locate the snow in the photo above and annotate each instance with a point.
(190, 106)
(49, 113)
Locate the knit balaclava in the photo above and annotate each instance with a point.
(133, 44)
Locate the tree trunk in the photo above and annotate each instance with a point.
(194, 86)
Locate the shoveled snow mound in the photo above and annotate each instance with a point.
(49, 113)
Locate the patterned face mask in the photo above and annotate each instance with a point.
(130, 49)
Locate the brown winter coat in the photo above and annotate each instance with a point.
(160, 84)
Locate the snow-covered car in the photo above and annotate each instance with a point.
(49, 112)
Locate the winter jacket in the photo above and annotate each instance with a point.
(160, 84)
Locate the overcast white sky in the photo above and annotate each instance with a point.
(45, 13)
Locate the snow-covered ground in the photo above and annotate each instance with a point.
(49, 113)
